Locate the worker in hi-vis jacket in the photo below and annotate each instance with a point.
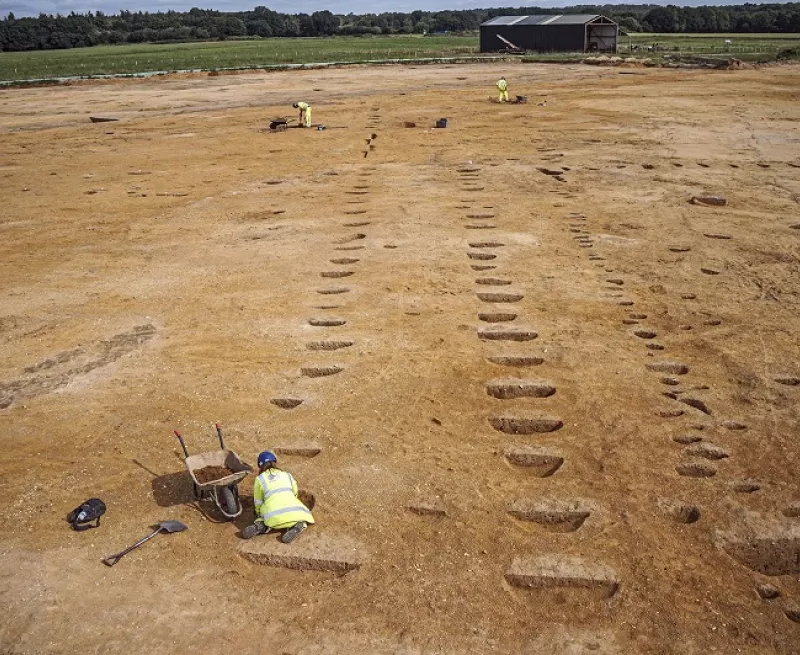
(276, 503)
(502, 87)
(305, 113)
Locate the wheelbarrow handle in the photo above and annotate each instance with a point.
(113, 559)
(219, 435)
(183, 445)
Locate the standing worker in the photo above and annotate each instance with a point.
(502, 87)
(305, 113)
(276, 503)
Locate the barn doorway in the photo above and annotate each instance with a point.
(601, 36)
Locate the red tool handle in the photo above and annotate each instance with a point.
(183, 445)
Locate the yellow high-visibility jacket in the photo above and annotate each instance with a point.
(501, 84)
(302, 105)
(276, 501)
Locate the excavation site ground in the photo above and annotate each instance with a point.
(540, 399)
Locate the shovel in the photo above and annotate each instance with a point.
(164, 526)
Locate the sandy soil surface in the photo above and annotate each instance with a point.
(555, 404)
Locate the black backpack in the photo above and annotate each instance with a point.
(82, 516)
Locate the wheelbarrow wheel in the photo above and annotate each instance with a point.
(227, 500)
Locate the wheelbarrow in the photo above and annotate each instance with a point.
(224, 491)
(280, 124)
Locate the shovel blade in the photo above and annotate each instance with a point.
(172, 526)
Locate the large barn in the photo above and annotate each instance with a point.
(561, 33)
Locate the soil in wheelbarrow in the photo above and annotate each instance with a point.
(211, 473)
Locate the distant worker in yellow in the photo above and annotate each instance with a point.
(502, 87)
(305, 113)
(276, 503)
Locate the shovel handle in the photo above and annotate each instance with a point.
(183, 445)
(113, 559)
(219, 436)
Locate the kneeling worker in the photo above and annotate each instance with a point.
(276, 503)
(305, 113)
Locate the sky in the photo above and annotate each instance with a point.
(22, 8)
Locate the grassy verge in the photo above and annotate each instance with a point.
(693, 48)
(789, 53)
(554, 58)
(740, 46)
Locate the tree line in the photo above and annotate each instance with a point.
(81, 30)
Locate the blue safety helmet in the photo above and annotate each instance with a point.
(267, 457)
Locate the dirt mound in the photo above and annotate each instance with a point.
(211, 473)
(627, 62)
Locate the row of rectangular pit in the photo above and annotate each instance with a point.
(350, 242)
(776, 553)
(548, 571)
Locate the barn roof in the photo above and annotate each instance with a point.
(552, 19)
(514, 20)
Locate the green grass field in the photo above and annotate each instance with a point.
(128, 59)
(131, 59)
